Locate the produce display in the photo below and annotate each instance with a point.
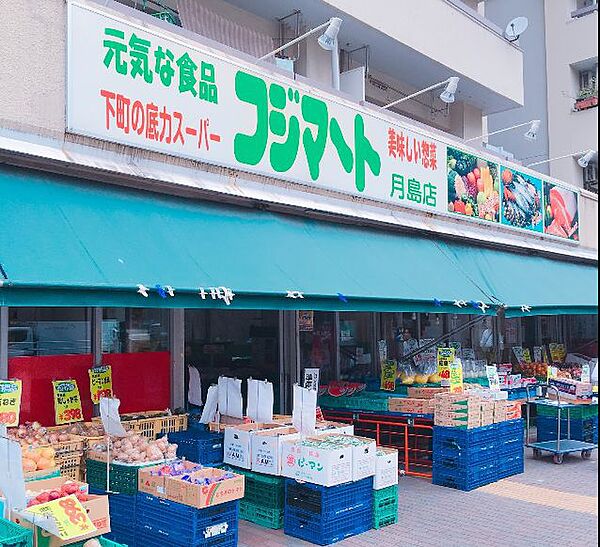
(174, 469)
(67, 489)
(134, 449)
(473, 186)
(341, 389)
(38, 459)
(521, 200)
(561, 217)
(33, 434)
(408, 377)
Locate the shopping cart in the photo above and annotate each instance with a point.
(559, 447)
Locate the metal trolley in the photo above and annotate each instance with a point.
(559, 447)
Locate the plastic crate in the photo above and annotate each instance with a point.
(123, 478)
(267, 491)
(324, 500)
(198, 446)
(467, 478)
(578, 412)
(123, 534)
(104, 542)
(13, 535)
(509, 466)
(321, 530)
(580, 429)
(227, 539)
(263, 516)
(70, 465)
(179, 524)
(453, 438)
(153, 424)
(385, 506)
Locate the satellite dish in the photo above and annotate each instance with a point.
(515, 28)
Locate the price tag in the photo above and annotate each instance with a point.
(445, 356)
(557, 352)
(389, 370)
(537, 354)
(551, 372)
(456, 376)
(100, 383)
(586, 374)
(10, 402)
(67, 402)
(311, 378)
(527, 355)
(72, 520)
(493, 378)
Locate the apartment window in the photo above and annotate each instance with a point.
(587, 78)
(584, 7)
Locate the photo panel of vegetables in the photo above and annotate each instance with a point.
(521, 200)
(561, 214)
(473, 186)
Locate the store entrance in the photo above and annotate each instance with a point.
(236, 343)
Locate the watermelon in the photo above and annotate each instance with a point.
(350, 390)
(322, 390)
(336, 390)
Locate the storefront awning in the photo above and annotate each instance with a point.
(69, 242)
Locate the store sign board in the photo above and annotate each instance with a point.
(148, 88)
(445, 357)
(456, 376)
(10, 402)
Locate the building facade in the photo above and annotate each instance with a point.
(561, 67)
(171, 200)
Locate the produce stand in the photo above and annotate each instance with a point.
(559, 447)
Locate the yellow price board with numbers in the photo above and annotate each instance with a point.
(456, 376)
(10, 402)
(72, 520)
(67, 402)
(100, 383)
(389, 369)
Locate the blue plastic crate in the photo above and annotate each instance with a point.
(122, 507)
(512, 465)
(462, 439)
(227, 539)
(510, 427)
(450, 479)
(121, 533)
(328, 500)
(198, 446)
(476, 452)
(183, 524)
(581, 429)
(321, 530)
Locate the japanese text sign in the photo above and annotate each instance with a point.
(493, 377)
(100, 383)
(10, 402)
(445, 356)
(456, 376)
(151, 89)
(67, 402)
(311, 378)
(389, 370)
(72, 520)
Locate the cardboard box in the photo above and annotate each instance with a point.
(386, 468)
(425, 392)
(219, 427)
(570, 389)
(237, 447)
(199, 495)
(266, 449)
(97, 510)
(325, 427)
(317, 462)
(410, 405)
(363, 453)
(154, 484)
(56, 483)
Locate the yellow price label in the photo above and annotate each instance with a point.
(445, 357)
(456, 377)
(527, 355)
(389, 370)
(100, 383)
(10, 402)
(67, 402)
(72, 520)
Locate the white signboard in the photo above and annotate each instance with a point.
(151, 89)
(311, 378)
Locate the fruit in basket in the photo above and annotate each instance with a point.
(67, 489)
(434, 378)
(408, 380)
(421, 378)
(136, 449)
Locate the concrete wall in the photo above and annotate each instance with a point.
(533, 44)
(32, 85)
(568, 42)
(438, 30)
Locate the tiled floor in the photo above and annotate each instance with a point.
(548, 505)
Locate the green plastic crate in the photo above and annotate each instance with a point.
(579, 412)
(263, 516)
(385, 506)
(13, 535)
(265, 491)
(123, 478)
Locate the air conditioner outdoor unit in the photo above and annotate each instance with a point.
(590, 173)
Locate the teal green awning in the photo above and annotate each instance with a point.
(70, 242)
